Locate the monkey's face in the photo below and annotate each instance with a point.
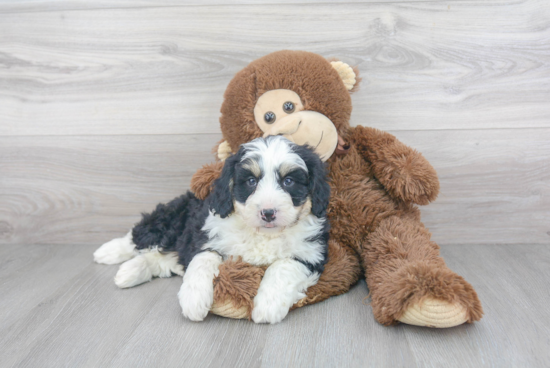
(297, 94)
(281, 112)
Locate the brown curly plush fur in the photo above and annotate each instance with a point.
(201, 183)
(309, 75)
(375, 224)
(341, 272)
(238, 282)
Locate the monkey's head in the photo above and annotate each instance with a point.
(298, 94)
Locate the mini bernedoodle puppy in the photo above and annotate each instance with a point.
(268, 207)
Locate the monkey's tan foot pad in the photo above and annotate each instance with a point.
(435, 313)
(228, 310)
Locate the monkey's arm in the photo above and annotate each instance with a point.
(201, 182)
(403, 171)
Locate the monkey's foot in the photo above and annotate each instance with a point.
(435, 313)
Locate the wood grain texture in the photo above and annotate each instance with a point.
(74, 190)
(163, 70)
(495, 184)
(28, 269)
(19, 6)
(106, 112)
(82, 319)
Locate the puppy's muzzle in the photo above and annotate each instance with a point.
(268, 214)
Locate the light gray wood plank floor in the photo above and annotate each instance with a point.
(59, 309)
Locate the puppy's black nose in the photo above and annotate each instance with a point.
(268, 215)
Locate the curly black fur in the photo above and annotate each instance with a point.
(177, 225)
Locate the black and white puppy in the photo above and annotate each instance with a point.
(268, 207)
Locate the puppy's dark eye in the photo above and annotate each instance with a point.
(251, 182)
(289, 107)
(288, 182)
(269, 117)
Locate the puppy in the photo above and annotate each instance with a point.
(268, 207)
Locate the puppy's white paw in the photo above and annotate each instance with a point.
(133, 272)
(196, 295)
(195, 301)
(177, 269)
(269, 308)
(115, 251)
(163, 264)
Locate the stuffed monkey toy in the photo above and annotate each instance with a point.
(376, 183)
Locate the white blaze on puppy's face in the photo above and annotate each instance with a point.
(271, 185)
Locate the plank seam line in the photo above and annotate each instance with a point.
(219, 133)
(402, 2)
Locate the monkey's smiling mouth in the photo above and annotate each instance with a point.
(320, 140)
(318, 143)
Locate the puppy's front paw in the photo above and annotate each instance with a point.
(195, 302)
(269, 308)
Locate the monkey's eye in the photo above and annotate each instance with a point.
(288, 182)
(251, 182)
(269, 117)
(289, 107)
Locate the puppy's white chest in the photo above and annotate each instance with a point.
(262, 249)
(255, 248)
(230, 237)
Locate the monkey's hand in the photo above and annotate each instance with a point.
(403, 171)
(202, 180)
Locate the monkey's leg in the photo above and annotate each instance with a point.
(410, 282)
(237, 283)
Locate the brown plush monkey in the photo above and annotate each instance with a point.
(376, 183)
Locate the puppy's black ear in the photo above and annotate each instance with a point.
(221, 198)
(318, 187)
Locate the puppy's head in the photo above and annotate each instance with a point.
(271, 183)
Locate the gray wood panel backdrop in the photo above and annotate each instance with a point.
(108, 107)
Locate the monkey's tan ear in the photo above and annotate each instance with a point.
(224, 151)
(346, 73)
